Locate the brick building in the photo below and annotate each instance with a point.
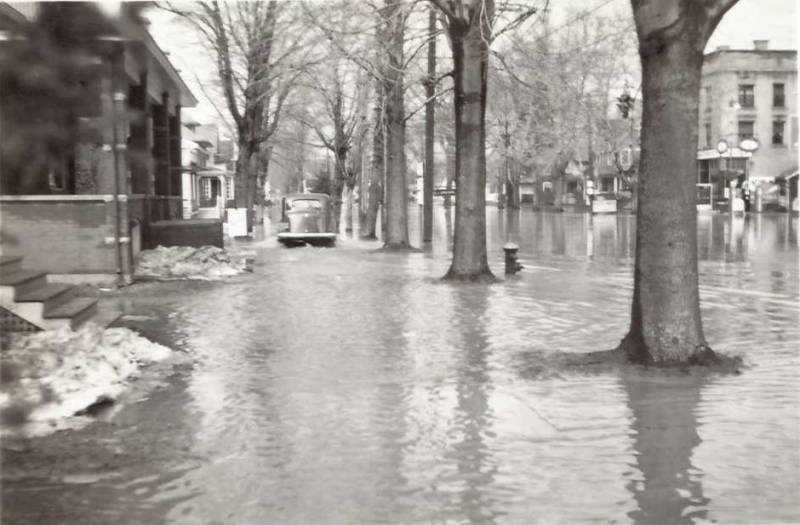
(79, 195)
(746, 94)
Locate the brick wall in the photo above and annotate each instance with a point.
(67, 236)
(195, 232)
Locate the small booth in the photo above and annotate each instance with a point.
(720, 169)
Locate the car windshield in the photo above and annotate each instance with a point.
(304, 204)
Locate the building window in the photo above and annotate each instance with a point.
(708, 134)
(747, 95)
(607, 184)
(794, 132)
(777, 132)
(778, 96)
(708, 98)
(745, 129)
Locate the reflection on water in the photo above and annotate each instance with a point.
(349, 386)
(669, 488)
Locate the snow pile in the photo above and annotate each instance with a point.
(47, 376)
(186, 262)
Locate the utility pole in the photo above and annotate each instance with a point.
(430, 91)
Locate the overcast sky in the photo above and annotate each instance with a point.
(773, 20)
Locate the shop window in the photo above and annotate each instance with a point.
(704, 173)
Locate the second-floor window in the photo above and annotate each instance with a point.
(746, 129)
(778, 96)
(777, 132)
(708, 134)
(747, 95)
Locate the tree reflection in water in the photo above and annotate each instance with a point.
(664, 427)
(473, 417)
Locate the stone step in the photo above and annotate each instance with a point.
(18, 283)
(71, 314)
(10, 263)
(50, 295)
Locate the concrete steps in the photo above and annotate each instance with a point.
(26, 295)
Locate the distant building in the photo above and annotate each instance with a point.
(746, 94)
(208, 181)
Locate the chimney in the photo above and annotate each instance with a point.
(760, 45)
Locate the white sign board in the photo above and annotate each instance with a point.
(237, 222)
(604, 206)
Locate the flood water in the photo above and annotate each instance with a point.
(350, 386)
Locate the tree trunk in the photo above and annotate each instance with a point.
(261, 180)
(243, 178)
(666, 326)
(374, 190)
(430, 88)
(451, 170)
(337, 187)
(470, 60)
(396, 186)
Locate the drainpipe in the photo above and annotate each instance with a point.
(116, 97)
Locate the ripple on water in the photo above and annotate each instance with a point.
(347, 386)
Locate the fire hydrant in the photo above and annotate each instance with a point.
(512, 264)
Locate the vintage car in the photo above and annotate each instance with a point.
(304, 220)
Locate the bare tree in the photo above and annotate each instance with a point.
(666, 326)
(373, 192)
(430, 121)
(393, 16)
(336, 114)
(469, 25)
(555, 88)
(259, 52)
(386, 39)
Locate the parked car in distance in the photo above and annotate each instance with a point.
(304, 220)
